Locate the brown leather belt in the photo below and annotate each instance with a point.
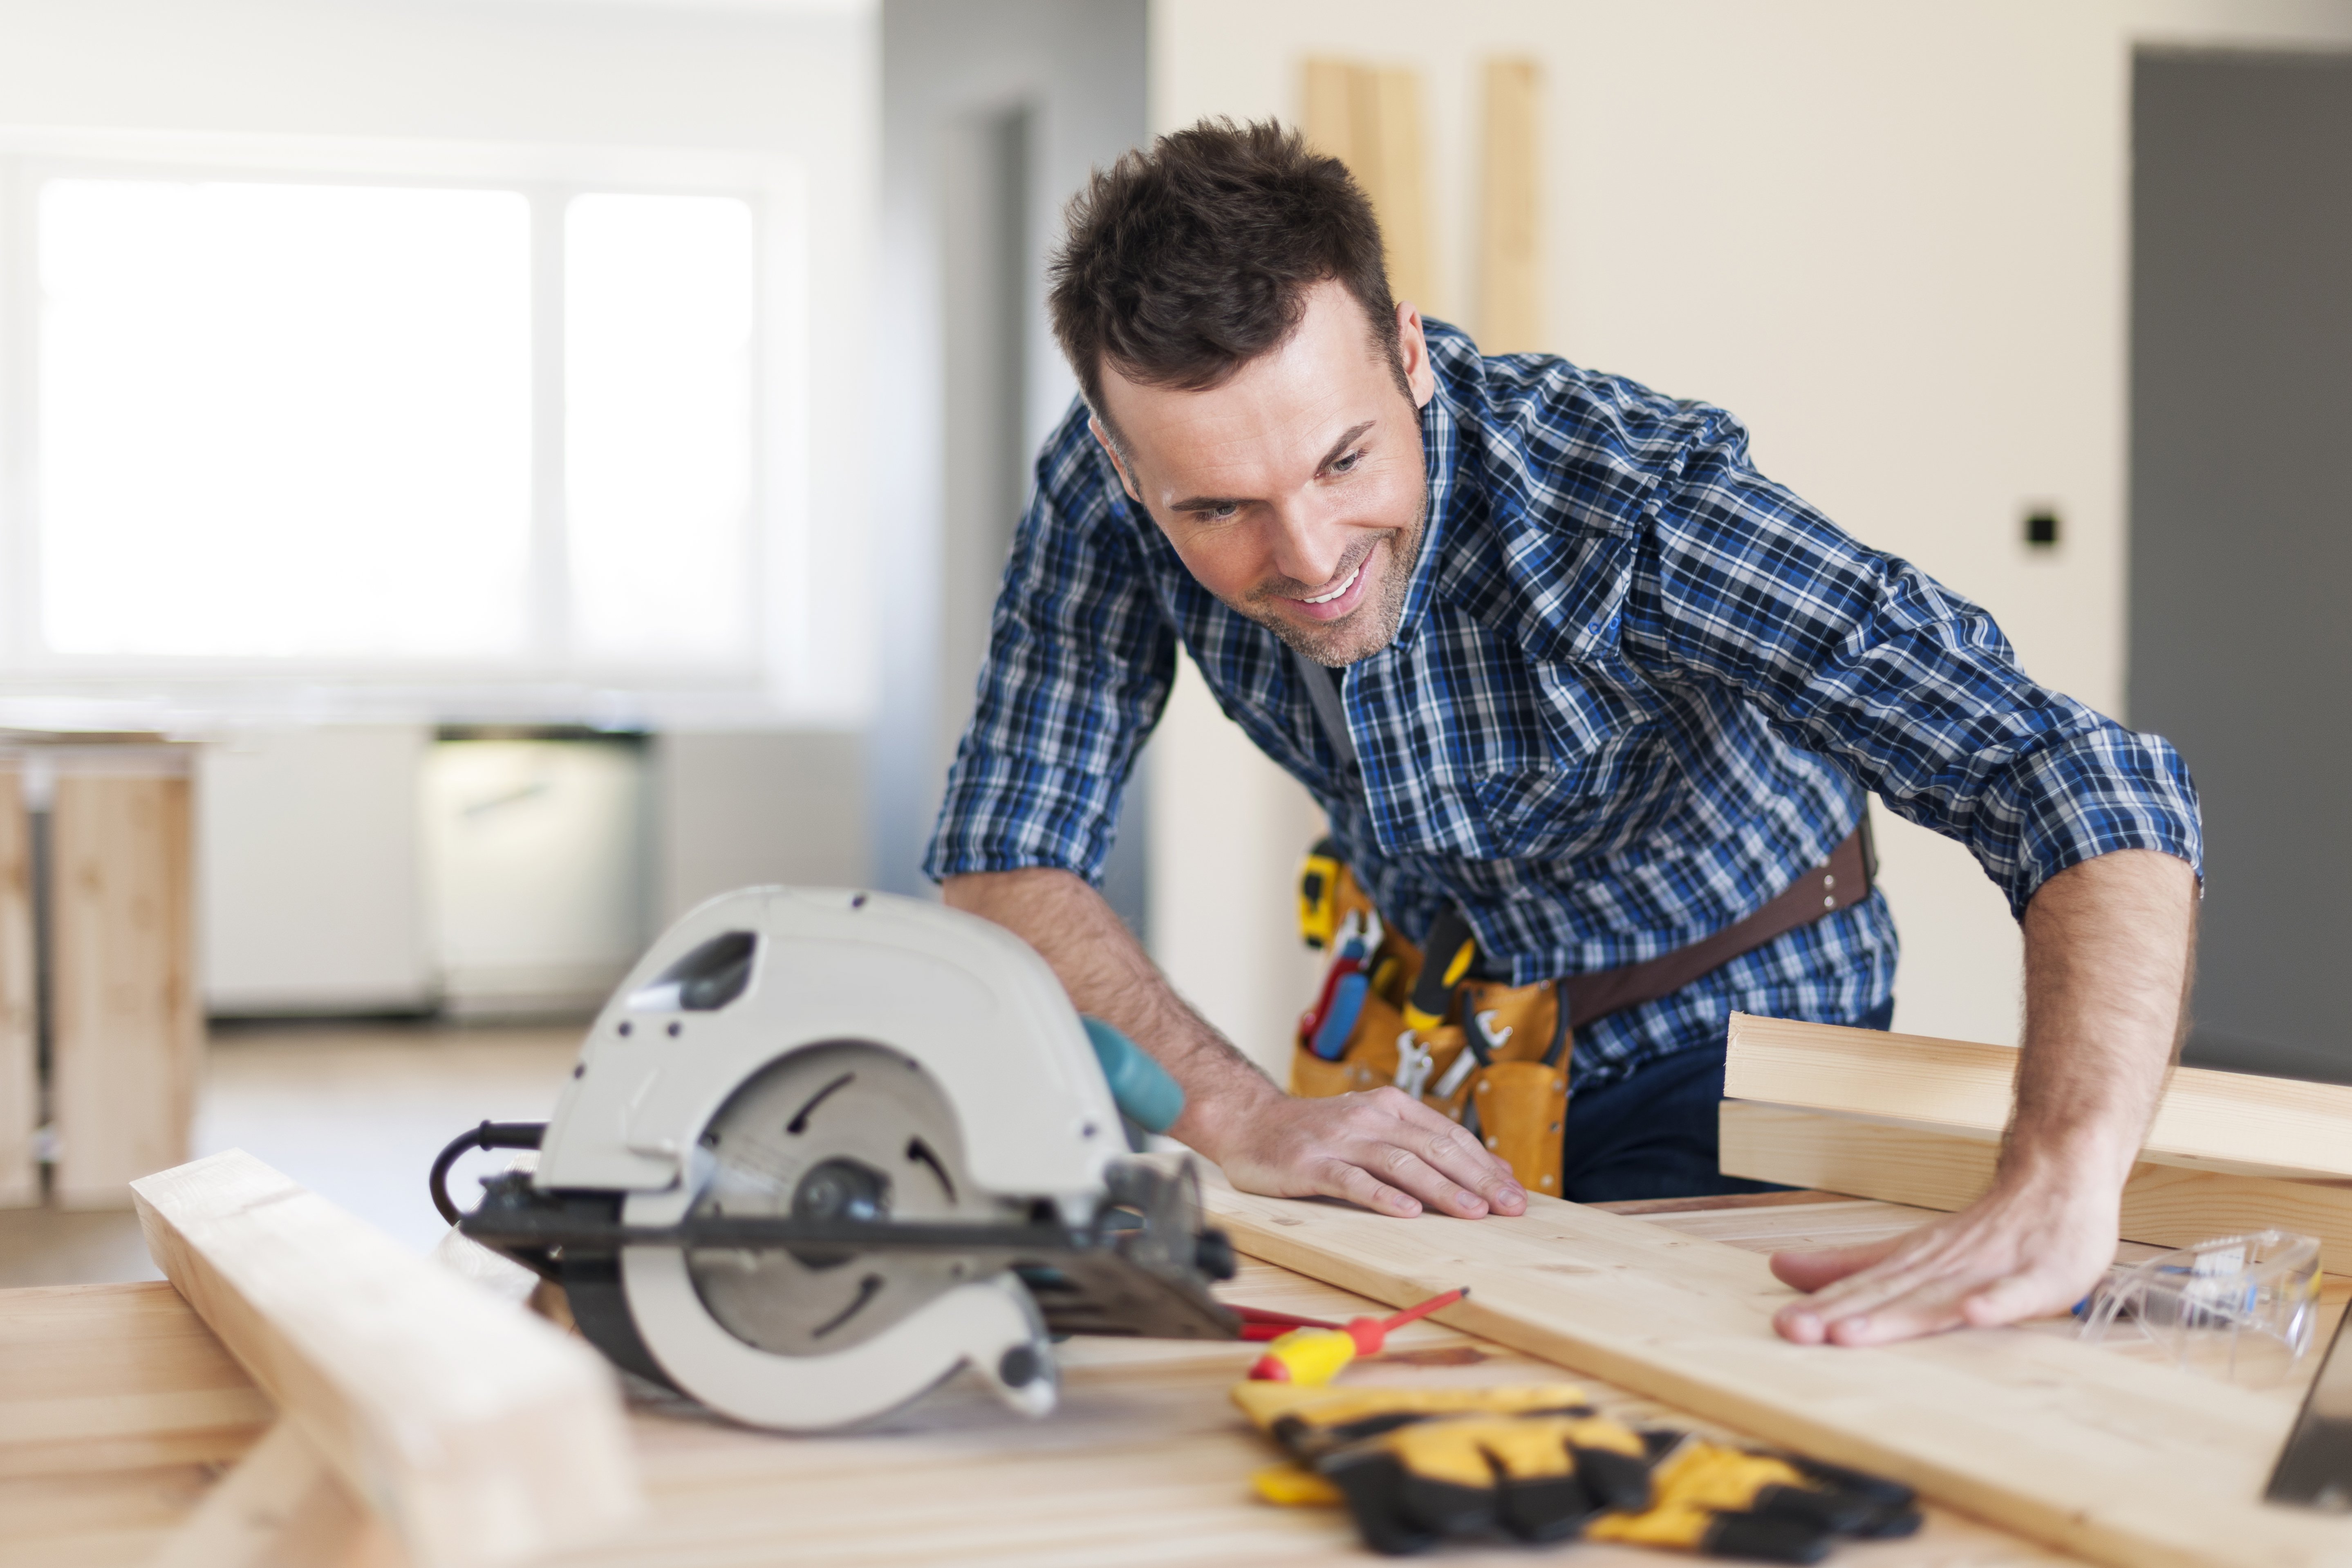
(1840, 881)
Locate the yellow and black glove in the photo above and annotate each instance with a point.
(1723, 1501)
(1539, 1477)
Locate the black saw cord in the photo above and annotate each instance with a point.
(488, 1135)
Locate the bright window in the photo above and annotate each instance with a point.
(296, 422)
(658, 425)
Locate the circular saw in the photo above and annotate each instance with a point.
(825, 1149)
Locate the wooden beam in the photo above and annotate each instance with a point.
(2163, 1206)
(2212, 1121)
(20, 1084)
(1510, 214)
(282, 1506)
(127, 1036)
(2082, 1449)
(1369, 118)
(480, 1434)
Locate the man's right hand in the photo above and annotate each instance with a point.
(1381, 1148)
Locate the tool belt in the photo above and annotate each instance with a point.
(1492, 1055)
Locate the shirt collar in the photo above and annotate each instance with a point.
(1440, 449)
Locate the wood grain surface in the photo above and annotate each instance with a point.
(480, 1434)
(2219, 1121)
(127, 1034)
(1510, 209)
(20, 1086)
(1147, 1462)
(2166, 1206)
(2067, 1444)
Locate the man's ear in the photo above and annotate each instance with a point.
(1102, 439)
(1412, 353)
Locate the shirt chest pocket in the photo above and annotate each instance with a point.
(1571, 776)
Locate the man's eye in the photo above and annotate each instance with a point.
(1218, 513)
(1347, 462)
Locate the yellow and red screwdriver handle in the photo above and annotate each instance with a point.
(1311, 1357)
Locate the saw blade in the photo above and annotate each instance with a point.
(848, 1131)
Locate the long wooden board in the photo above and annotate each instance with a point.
(1369, 117)
(2094, 1453)
(1510, 210)
(127, 1037)
(2164, 1205)
(2216, 1121)
(478, 1433)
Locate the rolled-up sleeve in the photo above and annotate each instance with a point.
(1079, 663)
(1910, 688)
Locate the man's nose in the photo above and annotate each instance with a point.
(1309, 542)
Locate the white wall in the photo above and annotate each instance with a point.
(1891, 239)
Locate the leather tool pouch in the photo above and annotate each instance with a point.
(1516, 1104)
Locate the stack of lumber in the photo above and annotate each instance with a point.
(1915, 1121)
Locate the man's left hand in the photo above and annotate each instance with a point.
(2029, 1248)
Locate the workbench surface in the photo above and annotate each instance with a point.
(118, 1410)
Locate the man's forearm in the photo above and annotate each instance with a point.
(1383, 1149)
(1109, 974)
(2109, 952)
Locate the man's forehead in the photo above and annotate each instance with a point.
(1276, 416)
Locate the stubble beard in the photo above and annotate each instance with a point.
(1372, 627)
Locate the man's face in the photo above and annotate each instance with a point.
(1295, 491)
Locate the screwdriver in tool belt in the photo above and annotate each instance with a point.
(1313, 1357)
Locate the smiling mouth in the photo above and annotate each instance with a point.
(1341, 590)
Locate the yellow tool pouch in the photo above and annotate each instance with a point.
(1516, 1103)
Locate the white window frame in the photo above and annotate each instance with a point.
(547, 680)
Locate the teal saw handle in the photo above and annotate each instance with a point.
(1140, 1087)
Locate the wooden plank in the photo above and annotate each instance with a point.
(116, 1377)
(2164, 1205)
(283, 1507)
(1369, 118)
(20, 1085)
(2207, 1120)
(1510, 212)
(479, 1434)
(127, 1038)
(2088, 1451)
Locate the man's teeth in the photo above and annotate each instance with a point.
(1341, 589)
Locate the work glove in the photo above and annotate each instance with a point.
(1539, 1477)
(1723, 1501)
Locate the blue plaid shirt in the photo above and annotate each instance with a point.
(1637, 690)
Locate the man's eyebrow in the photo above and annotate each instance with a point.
(1342, 445)
(1216, 504)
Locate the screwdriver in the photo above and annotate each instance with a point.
(1313, 1357)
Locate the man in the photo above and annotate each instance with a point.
(1599, 686)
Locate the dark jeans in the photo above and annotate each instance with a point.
(1651, 1134)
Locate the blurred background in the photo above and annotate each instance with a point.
(504, 470)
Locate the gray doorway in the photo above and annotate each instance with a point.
(994, 112)
(2241, 646)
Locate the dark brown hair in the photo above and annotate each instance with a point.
(1184, 263)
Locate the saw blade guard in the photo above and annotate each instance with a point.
(753, 976)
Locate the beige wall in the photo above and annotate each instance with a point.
(1891, 239)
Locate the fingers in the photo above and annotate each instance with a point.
(1810, 1271)
(1448, 1148)
(1336, 1178)
(1449, 1151)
